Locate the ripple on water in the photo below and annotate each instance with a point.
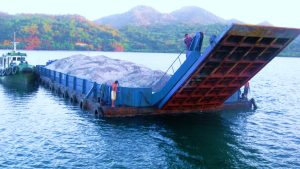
(43, 130)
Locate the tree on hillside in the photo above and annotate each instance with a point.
(62, 32)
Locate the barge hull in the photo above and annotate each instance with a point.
(93, 104)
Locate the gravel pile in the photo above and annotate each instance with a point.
(102, 69)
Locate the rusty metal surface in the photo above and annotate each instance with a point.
(239, 55)
(98, 109)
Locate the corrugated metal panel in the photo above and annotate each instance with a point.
(70, 82)
(79, 85)
(137, 97)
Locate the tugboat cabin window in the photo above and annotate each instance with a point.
(18, 59)
(14, 59)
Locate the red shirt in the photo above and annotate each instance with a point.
(114, 87)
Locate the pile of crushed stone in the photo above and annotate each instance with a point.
(102, 69)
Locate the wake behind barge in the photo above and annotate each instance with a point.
(204, 82)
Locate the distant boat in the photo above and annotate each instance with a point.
(14, 68)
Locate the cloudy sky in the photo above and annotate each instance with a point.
(278, 12)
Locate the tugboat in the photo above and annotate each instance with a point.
(14, 68)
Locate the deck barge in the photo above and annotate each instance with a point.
(205, 81)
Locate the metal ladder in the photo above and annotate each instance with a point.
(174, 66)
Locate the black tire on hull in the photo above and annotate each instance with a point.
(2, 72)
(15, 70)
(8, 71)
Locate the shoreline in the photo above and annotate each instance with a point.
(41, 50)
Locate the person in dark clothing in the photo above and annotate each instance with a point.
(246, 89)
(187, 42)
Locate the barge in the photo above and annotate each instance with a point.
(205, 81)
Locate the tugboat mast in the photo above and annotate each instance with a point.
(15, 43)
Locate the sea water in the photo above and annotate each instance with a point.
(39, 129)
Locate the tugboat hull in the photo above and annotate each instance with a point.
(19, 78)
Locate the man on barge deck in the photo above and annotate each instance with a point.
(114, 90)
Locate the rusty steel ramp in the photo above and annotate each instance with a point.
(238, 55)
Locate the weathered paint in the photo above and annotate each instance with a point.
(236, 57)
(130, 101)
(202, 83)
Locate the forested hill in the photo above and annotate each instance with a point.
(169, 38)
(165, 38)
(63, 32)
(73, 32)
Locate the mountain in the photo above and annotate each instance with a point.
(232, 21)
(265, 23)
(196, 15)
(140, 15)
(3, 14)
(74, 32)
(144, 16)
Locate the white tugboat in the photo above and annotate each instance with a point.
(14, 68)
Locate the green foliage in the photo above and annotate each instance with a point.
(164, 38)
(293, 49)
(169, 38)
(64, 32)
(73, 32)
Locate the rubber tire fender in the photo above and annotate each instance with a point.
(8, 71)
(15, 70)
(83, 104)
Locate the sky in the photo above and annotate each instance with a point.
(278, 12)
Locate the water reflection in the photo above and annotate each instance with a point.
(17, 89)
(44, 130)
(200, 140)
(186, 141)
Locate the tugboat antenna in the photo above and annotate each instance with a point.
(15, 43)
